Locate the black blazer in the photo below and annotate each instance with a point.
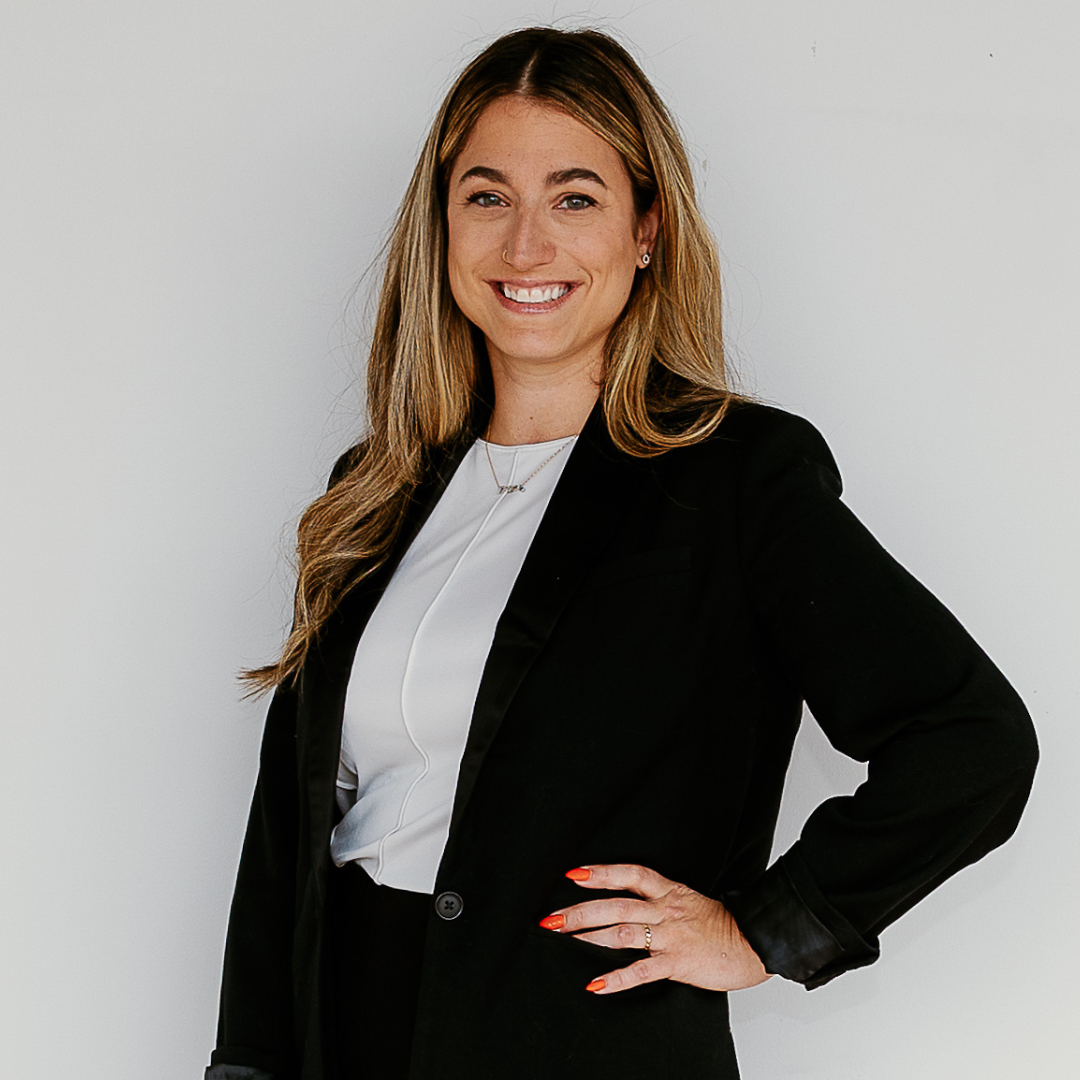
(639, 704)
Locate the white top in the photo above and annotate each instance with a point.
(417, 668)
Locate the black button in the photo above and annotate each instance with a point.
(448, 905)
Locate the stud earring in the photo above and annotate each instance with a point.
(646, 258)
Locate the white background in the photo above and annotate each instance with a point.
(189, 192)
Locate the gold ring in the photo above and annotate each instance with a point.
(504, 258)
(648, 939)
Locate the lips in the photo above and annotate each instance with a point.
(534, 295)
(532, 299)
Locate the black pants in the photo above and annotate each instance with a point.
(375, 948)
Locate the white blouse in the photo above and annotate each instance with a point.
(417, 667)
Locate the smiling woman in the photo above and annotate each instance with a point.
(544, 243)
(556, 619)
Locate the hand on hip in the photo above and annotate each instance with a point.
(691, 938)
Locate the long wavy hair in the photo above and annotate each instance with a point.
(664, 383)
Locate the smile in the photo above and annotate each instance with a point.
(534, 296)
(532, 299)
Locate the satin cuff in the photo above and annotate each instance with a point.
(242, 1063)
(236, 1072)
(793, 928)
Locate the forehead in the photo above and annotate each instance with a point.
(520, 135)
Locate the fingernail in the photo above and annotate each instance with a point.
(580, 874)
(553, 922)
(596, 984)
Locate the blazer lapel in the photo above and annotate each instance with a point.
(590, 500)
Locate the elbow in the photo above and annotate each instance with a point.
(1009, 780)
(1022, 748)
(1002, 747)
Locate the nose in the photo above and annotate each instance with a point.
(529, 243)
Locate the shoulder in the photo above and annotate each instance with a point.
(756, 443)
(766, 431)
(347, 462)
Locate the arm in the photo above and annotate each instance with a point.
(893, 680)
(255, 1025)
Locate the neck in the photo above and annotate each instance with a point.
(536, 405)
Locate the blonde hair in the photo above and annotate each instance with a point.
(664, 380)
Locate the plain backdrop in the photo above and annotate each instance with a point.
(190, 193)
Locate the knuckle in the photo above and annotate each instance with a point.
(625, 934)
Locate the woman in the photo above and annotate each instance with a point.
(555, 621)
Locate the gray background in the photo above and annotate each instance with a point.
(190, 191)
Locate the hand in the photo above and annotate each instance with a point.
(693, 939)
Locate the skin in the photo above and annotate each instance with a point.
(537, 200)
(523, 210)
(694, 938)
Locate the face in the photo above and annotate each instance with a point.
(544, 240)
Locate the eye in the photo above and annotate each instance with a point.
(576, 202)
(486, 198)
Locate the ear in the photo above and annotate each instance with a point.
(648, 226)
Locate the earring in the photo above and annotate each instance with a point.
(646, 258)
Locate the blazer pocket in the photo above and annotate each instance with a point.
(640, 564)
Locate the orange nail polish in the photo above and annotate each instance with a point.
(580, 874)
(596, 984)
(553, 922)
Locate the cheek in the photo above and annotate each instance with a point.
(463, 290)
(614, 267)
(612, 255)
(469, 247)
(457, 264)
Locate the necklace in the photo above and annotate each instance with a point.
(505, 489)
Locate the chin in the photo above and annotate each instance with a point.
(532, 348)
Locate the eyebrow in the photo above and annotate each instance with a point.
(554, 179)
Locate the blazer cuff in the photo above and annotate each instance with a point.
(243, 1063)
(795, 931)
(236, 1072)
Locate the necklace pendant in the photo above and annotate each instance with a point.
(506, 489)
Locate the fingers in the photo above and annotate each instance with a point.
(623, 936)
(651, 969)
(691, 937)
(626, 877)
(597, 913)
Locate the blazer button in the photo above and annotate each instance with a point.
(448, 905)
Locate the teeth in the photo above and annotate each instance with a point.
(535, 296)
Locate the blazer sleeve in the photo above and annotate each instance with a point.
(255, 1023)
(255, 1020)
(893, 680)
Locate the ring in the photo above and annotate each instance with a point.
(504, 258)
(648, 939)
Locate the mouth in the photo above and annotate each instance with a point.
(532, 298)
